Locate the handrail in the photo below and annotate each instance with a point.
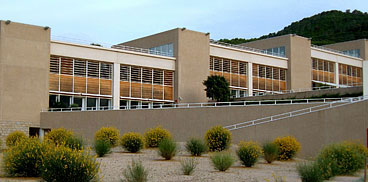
(294, 113)
(333, 50)
(246, 48)
(199, 105)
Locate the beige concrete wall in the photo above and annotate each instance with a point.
(314, 130)
(361, 44)
(298, 52)
(24, 69)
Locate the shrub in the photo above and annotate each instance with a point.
(270, 152)
(288, 146)
(327, 166)
(196, 147)
(14, 138)
(167, 149)
(102, 147)
(218, 138)
(61, 163)
(154, 136)
(343, 159)
(74, 142)
(135, 172)
(222, 161)
(249, 153)
(59, 136)
(188, 166)
(309, 172)
(24, 159)
(358, 147)
(132, 142)
(109, 134)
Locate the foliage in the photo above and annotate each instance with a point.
(217, 88)
(109, 134)
(327, 166)
(270, 151)
(288, 146)
(61, 163)
(75, 142)
(358, 147)
(188, 166)
(248, 153)
(102, 147)
(196, 147)
(132, 142)
(59, 136)
(154, 136)
(343, 158)
(309, 172)
(324, 28)
(1, 144)
(222, 160)
(135, 172)
(24, 159)
(218, 138)
(167, 148)
(15, 137)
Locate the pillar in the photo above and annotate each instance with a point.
(116, 86)
(337, 75)
(365, 78)
(41, 133)
(250, 79)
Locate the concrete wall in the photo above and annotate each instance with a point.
(314, 130)
(361, 44)
(303, 95)
(24, 69)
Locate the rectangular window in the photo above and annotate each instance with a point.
(147, 75)
(54, 65)
(80, 68)
(157, 77)
(106, 71)
(136, 74)
(93, 69)
(124, 73)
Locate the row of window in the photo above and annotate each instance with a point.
(146, 75)
(280, 51)
(228, 66)
(268, 78)
(323, 70)
(354, 52)
(167, 49)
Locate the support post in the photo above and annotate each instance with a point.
(250, 79)
(337, 80)
(365, 78)
(116, 86)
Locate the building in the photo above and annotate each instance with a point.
(37, 73)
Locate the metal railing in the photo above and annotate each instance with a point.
(142, 50)
(200, 105)
(294, 113)
(333, 50)
(246, 48)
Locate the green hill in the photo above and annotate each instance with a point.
(324, 28)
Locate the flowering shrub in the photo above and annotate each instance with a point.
(59, 136)
(15, 137)
(357, 146)
(288, 147)
(248, 153)
(61, 163)
(218, 138)
(154, 136)
(132, 142)
(109, 134)
(24, 159)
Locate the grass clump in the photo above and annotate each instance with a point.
(309, 172)
(15, 137)
(109, 134)
(249, 153)
(270, 151)
(222, 161)
(132, 142)
(102, 147)
(196, 147)
(135, 172)
(288, 147)
(218, 138)
(188, 166)
(154, 136)
(167, 149)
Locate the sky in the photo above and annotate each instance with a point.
(115, 21)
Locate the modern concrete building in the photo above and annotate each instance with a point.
(37, 73)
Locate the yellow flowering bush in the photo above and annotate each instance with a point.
(218, 138)
(110, 134)
(154, 136)
(248, 153)
(132, 142)
(58, 136)
(288, 147)
(24, 159)
(15, 137)
(357, 146)
(61, 163)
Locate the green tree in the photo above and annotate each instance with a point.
(217, 88)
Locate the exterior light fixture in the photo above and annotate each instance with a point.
(7, 22)
(182, 29)
(208, 33)
(46, 28)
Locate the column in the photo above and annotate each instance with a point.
(116, 86)
(337, 81)
(250, 79)
(41, 133)
(365, 78)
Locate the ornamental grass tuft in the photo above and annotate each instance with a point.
(196, 147)
(222, 161)
(135, 172)
(270, 151)
(167, 149)
(102, 147)
(188, 165)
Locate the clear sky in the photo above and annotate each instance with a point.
(115, 21)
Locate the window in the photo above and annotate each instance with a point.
(136, 74)
(124, 73)
(354, 52)
(166, 49)
(91, 103)
(278, 51)
(79, 68)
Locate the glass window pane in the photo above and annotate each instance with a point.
(78, 101)
(65, 101)
(91, 102)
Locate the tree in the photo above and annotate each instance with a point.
(217, 88)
